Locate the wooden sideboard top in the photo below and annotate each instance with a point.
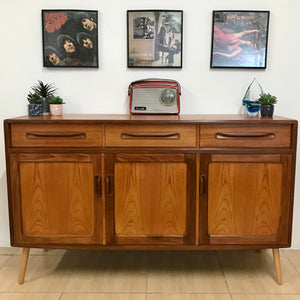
(115, 118)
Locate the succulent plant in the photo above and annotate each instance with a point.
(34, 98)
(56, 100)
(266, 99)
(44, 90)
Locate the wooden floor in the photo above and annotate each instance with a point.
(149, 275)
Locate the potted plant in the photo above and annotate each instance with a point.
(56, 105)
(35, 107)
(267, 102)
(45, 91)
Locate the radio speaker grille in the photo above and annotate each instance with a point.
(148, 100)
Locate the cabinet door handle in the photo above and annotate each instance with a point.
(150, 135)
(108, 185)
(203, 185)
(97, 185)
(245, 135)
(55, 134)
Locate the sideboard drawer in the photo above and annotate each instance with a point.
(245, 136)
(56, 135)
(150, 135)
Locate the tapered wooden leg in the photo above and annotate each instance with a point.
(276, 257)
(23, 266)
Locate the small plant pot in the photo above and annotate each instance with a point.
(35, 109)
(266, 110)
(56, 109)
(45, 103)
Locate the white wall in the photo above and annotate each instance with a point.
(104, 90)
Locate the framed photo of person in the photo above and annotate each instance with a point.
(239, 39)
(154, 38)
(70, 38)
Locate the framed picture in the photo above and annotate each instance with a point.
(239, 39)
(70, 38)
(154, 38)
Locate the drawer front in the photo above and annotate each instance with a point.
(150, 136)
(245, 136)
(56, 135)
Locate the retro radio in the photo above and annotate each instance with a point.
(154, 96)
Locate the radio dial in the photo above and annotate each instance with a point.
(167, 97)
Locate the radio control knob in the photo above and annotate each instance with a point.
(168, 97)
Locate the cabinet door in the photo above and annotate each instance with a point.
(150, 198)
(247, 199)
(55, 198)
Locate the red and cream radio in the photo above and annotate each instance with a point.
(154, 96)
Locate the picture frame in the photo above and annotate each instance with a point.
(239, 39)
(70, 38)
(154, 38)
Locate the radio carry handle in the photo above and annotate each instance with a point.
(154, 79)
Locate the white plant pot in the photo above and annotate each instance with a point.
(56, 109)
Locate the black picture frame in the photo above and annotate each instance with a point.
(70, 38)
(154, 38)
(239, 39)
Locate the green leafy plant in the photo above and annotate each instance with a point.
(44, 90)
(266, 99)
(56, 100)
(34, 98)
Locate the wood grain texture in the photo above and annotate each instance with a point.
(244, 198)
(286, 218)
(56, 135)
(247, 239)
(57, 198)
(278, 135)
(276, 257)
(161, 243)
(147, 157)
(163, 119)
(253, 158)
(157, 181)
(150, 199)
(197, 199)
(276, 150)
(23, 266)
(203, 203)
(150, 135)
(103, 219)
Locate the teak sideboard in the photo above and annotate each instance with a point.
(189, 182)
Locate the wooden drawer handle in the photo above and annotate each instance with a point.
(97, 185)
(245, 135)
(109, 185)
(203, 185)
(55, 134)
(151, 135)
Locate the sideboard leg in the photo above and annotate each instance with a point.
(23, 266)
(276, 256)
